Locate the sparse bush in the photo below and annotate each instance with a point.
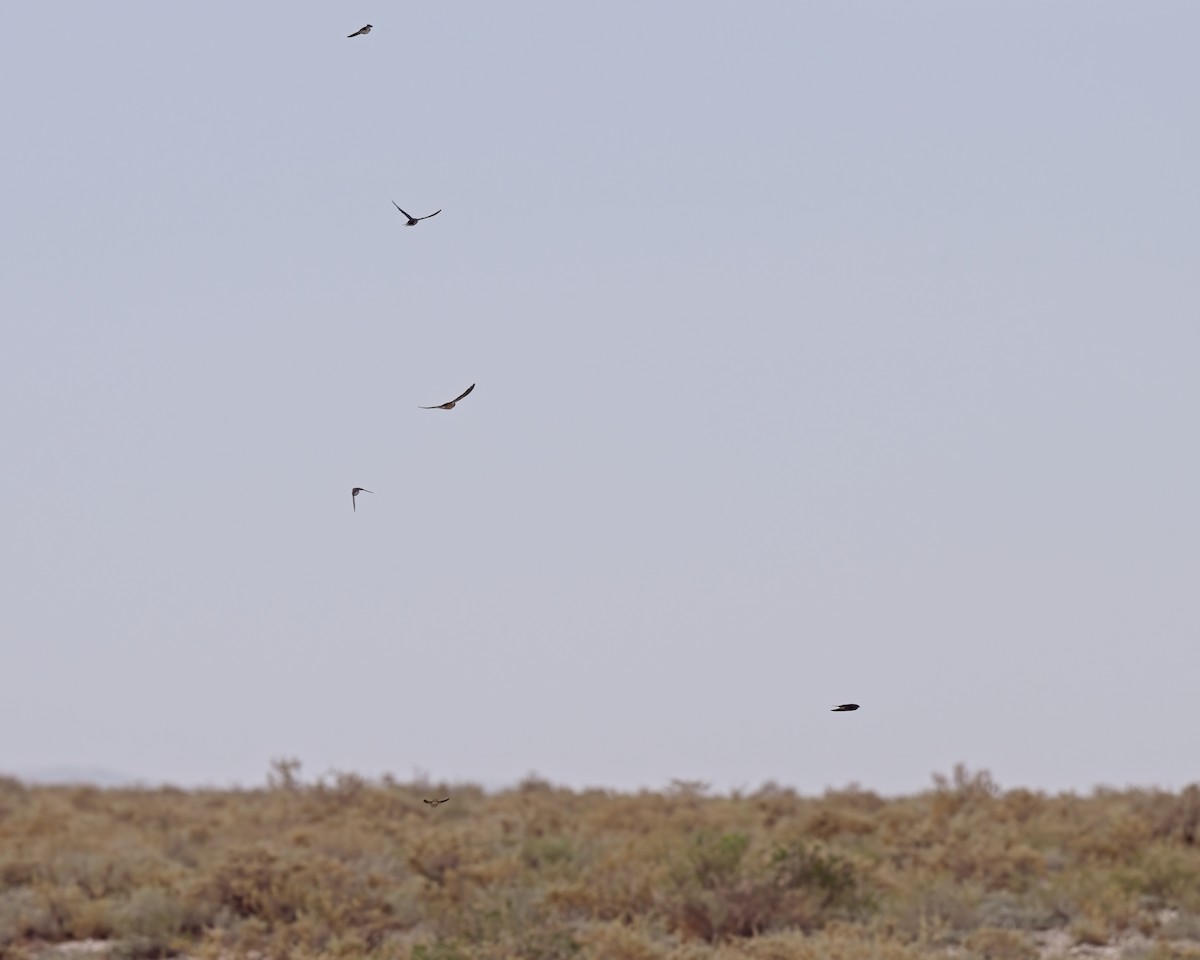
(1172, 951)
(992, 943)
(721, 892)
(23, 916)
(284, 774)
(155, 918)
(347, 867)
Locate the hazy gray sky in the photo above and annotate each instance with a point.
(825, 351)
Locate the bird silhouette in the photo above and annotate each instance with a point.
(360, 33)
(450, 405)
(354, 492)
(844, 707)
(435, 802)
(412, 221)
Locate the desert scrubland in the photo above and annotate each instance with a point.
(349, 868)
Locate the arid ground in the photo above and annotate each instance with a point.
(349, 868)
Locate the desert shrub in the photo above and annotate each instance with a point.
(962, 790)
(935, 910)
(713, 861)
(993, 943)
(19, 872)
(720, 891)
(1172, 875)
(311, 898)
(828, 822)
(827, 876)
(284, 774)
(442, 950)
(155, 917)
(349, 867)
(1180, 926)
(619, 884)
(1011, 911)
(547, 852)
(620, 941)
(23, 914)
(1171, 951)
(1022, 806)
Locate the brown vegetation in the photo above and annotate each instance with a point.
(347, 868)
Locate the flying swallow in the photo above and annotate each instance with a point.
(412, 221)
(435, 802)
(844, 707)
(360, 33)
(354, 492)
(450, 405)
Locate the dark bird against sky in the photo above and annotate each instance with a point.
(354, 492)
(360, 33)
(412, 221)
(450, 404)
(844, 707)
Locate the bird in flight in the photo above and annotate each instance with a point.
(354, 492)
(450, 404)
(435, 801)
(412, 221)
(844, 708)
(360, 33)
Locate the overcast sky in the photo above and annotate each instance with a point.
(825, 352)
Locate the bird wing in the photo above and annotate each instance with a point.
(402, 210)
(465, 392)
(428, 215)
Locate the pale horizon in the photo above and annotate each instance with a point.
(823, 353)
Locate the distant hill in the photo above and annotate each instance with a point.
(58, 776)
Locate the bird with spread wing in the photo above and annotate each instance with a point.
(413, 221)
(449, 405)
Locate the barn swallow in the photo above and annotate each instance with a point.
(354, 492)
(844, 708)
(360, 33)
(412, 221)
(450, 405)
(435, 802)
